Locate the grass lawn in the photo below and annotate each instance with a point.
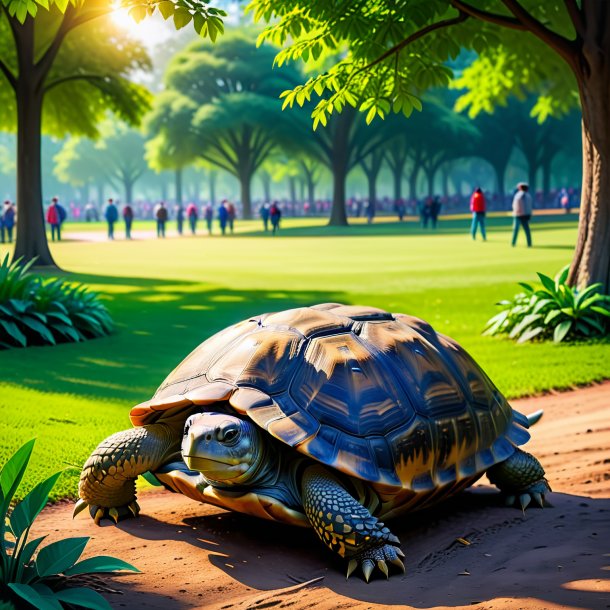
(168, 296)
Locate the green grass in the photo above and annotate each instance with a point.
(168, 296)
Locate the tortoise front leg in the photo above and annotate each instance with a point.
(520, 478)
(345, 526)
(107, 482)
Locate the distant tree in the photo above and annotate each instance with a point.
(231, 92)
(118, 155)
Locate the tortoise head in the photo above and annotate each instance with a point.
(226, 449)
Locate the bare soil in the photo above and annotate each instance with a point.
(196, 556)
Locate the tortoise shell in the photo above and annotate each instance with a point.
(381, 397)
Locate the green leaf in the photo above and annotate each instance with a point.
(85, 598)
(527, 321)
(39, 328)
(182, 17)
(59, 556)
(26, 554)
(14, 332)
(530, 333)
(166, 8)
(138, 13)
(12, 473)
(33, 597)
(547, 282)
(99, 564)
(602, 311)
(551, 316)
(562, 276)
(561, 330)
(26, 511)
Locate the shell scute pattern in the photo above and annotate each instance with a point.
(379, 396)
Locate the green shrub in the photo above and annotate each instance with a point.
(37, 311)
(38, 577)
(555, 310)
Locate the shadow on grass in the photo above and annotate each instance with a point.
(158, 323)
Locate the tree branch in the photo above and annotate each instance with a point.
(501, 20)
(72, 77)
(10, 77)
(576, 17)
(561, 45)
(412, 38)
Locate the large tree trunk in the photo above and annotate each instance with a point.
(500, 171)
(311, 191)
(179, 186)
(100, 194)
(546, 179)
(246, 202)
(128, 186)
(397, 175)
(292, 188)
(31, 241)
(591, 262)
(212, 182)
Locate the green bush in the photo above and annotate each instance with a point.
(38, 311)
(35, 577)
(555, 310)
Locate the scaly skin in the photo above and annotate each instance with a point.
(345, 526)
(520, 477)
(107, 482)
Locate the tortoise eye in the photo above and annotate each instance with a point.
(230, 435)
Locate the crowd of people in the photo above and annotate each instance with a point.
(187, 217)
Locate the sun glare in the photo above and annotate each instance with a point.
(150, 31)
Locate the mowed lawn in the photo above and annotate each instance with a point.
(167, 296)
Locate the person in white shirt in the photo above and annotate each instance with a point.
(522, 212)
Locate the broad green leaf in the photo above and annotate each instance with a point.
(530, 333)
(562, 276)
(26, 511)
(166, 8)
(12, 473)
(182, 17)
(602, 311)
(551, 316)
(32, 596)
(85, 598)
(39, 328)
(99, 564)
(59, 556)
(14, 332)
(547, 282)
(561, 330)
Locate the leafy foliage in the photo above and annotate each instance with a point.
(381, 56)
(35, 311)
(555, 310)
(28, 573)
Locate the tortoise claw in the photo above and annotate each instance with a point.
(383, 566)
(399, 564)
(114, 513)
(351, 566)
(99, 513)
(367, 569)
(79, 507)
(134, 508)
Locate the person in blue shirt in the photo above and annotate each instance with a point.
(7, 221)
(223, 216)
(111, 214)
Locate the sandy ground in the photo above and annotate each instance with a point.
(195, 556)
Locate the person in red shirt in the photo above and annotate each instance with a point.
(478, 207)
(54, 219)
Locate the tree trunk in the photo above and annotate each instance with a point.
(430, 177)
(213, 177)
(31, 239)
(292, 188)
(531, 177)
(340, 167)
(311, 191)
(397, 175)
(591, 261)
(500, 171)
(413, 182)
(128, 184)
(546, 180)
(371, 177)
(100, 194)
(246, 202)
(179, 186)
(266, 183)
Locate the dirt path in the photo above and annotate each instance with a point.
(195, 556)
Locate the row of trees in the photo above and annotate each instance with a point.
(220, 110)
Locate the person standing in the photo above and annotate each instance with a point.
(53, 219)
(264, 212)
(424, 212)
(8, 220)
(2, 227)
(435, 210)
(161, 216)
(128, 218)
(370, 211)
(111, 215)
(191, 215)
(223, 216)
(522, 212)
(564, 200)
(275, 214)
(231, 215)
(478, 207)
(179, 218)
(208, 213)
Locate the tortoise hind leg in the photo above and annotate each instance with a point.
(346, 527)
(107, 482)
(520, 478)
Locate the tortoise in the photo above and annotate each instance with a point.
(332, 417)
